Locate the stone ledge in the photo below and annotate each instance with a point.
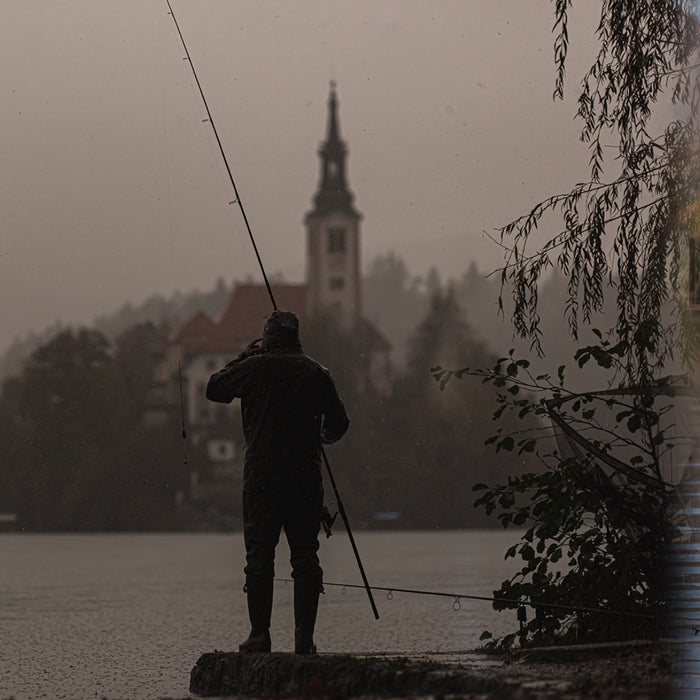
(631, 672)
(227, 674)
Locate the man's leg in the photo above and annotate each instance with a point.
(301, 527)
(261, 530)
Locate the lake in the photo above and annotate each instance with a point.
(128, 615)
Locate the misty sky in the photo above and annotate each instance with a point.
(112, 188)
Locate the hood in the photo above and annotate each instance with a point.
(281, 332)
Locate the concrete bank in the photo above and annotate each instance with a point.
(630, 670)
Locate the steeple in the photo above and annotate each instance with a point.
(333, 194)
(333, 234)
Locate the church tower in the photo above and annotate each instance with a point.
(333, 234)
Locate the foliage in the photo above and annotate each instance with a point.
(405, 432)
(77, 454)
(432, 433)
(629, 232)
(597, 517)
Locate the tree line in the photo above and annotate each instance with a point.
(79, 454)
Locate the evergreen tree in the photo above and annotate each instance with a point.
(437, 446)
(393, 300)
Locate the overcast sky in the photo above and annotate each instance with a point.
(111, 187)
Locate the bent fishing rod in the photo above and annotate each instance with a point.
(237, 200)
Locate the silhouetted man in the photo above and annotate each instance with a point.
(289, 406)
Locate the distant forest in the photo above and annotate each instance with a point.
(77, 454)
(393, 299)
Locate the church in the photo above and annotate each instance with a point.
(202, 345)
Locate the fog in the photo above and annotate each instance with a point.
(112, 187)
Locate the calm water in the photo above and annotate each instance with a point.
(127, 616)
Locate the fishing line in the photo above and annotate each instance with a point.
(237, 200)
(456, 597)
(210, 119)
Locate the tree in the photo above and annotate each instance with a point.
(410, 448)
(54, 407)
(437, 445)
(77, 455)
(629, 231)
(625, 233)
(393, 300)
(597, 516)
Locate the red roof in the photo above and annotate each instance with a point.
(201, 334)
(243, 317)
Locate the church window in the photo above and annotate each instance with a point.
(336, 239)
(337, 283)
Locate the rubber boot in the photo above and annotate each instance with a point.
(259, 593)
(306, 592)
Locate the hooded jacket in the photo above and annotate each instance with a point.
(289, 406)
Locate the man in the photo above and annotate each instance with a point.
(289, 406)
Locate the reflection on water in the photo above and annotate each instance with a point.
(85, 616)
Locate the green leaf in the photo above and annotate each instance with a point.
(634, 423)
(527, 445)
(527, 552)
(520, 518)
(498, 412)
(507, 443)
(604, 359)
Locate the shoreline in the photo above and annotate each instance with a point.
(621, 670)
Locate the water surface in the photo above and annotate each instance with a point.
(127, 616)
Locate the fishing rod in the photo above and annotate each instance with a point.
(237, 200)
(511, 601)
(346, 522)
(521, 606)
(210, 119)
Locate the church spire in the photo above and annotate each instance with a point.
(333, 194)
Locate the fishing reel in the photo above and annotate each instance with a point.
(327, 520)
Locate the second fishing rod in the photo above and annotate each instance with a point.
(237, 200)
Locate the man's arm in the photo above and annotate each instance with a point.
(229, 382)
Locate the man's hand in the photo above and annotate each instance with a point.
(253, 348)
